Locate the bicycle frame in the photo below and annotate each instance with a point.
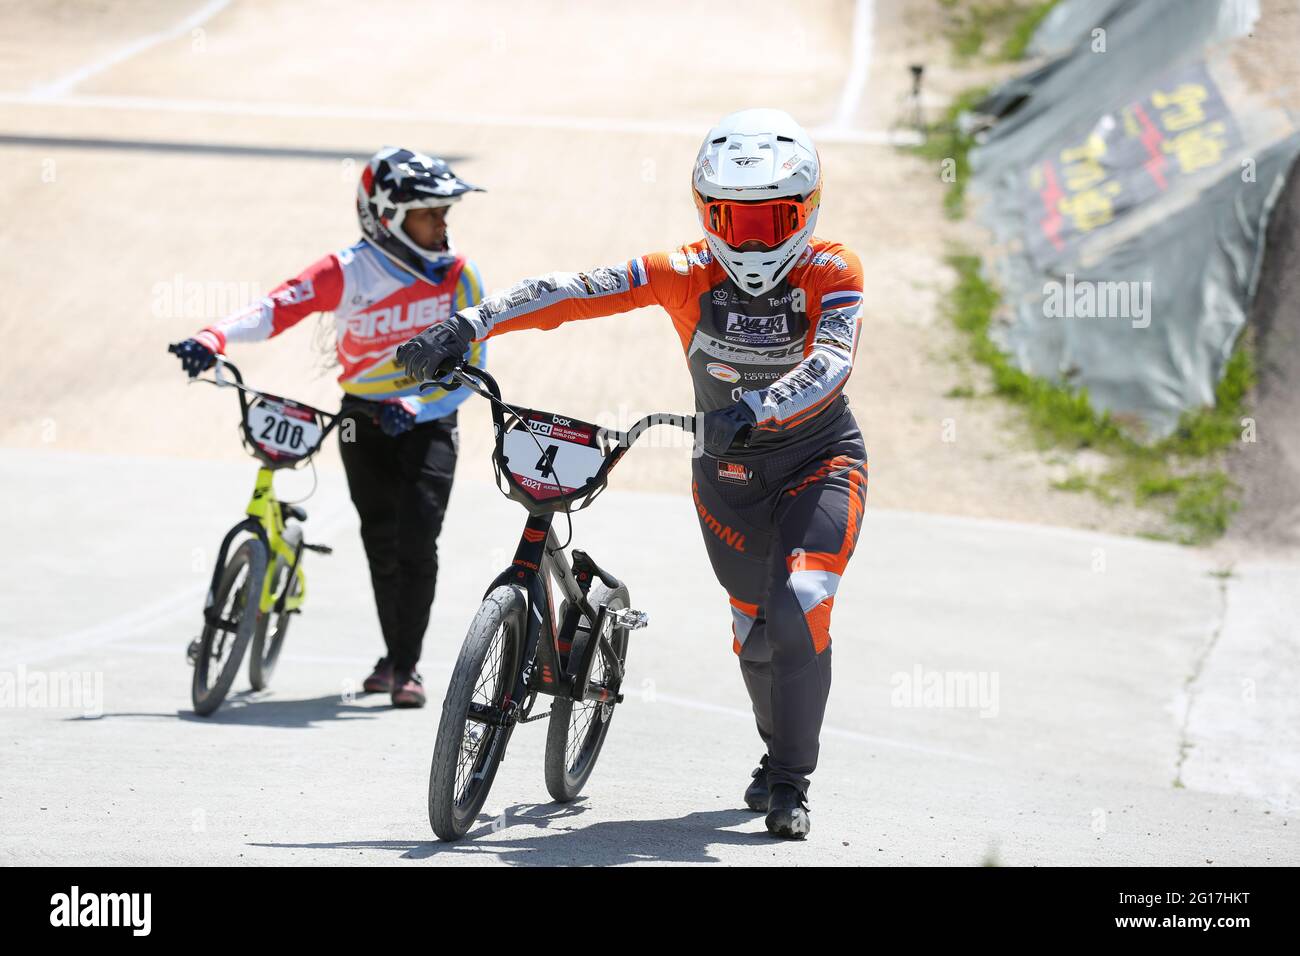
(548, 670)
(539, 558)
(266, 522)
(266, 516)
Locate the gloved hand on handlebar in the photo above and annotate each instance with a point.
(726, 428)
(195, 356)
(431, 355)
(394, 419)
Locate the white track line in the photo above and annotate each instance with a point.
(826, 730)
(839, 130)
(864, 19)
(597, 124)
(188, 601)
(65, 83)
(687, 703)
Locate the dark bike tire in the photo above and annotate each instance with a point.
(273, 628)
(502, 614)
(208, 691)
(572, 742)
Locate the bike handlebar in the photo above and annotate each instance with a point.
(221, 364)
(478, 379)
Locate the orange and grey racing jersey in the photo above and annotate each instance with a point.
(786, 353)
(377, 306)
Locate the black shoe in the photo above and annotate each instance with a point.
(380, 680)
(787, 813)
(756, 793)
(408, 688)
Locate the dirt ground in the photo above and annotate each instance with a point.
(581, 121)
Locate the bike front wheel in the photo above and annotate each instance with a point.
(222, 645)
(472, 735)
(578, 728)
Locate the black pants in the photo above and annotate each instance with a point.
(400, 487)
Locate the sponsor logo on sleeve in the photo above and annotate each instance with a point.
(530, 290)
(835, 331)
(826, 258)
(299, 290)
(683, 261)
(600, 281)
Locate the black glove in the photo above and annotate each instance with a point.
(726, 429)
(195, 356)
(431, 355)
(394, 419)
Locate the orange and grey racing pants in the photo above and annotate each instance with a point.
(779, 531)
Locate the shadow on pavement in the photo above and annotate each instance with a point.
(259, 709)
(684, 839)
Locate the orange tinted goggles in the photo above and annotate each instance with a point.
(761, 225)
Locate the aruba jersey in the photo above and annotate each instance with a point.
(786, 353)
(377, 306)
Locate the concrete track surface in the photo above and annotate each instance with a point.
(1004, 691)
(1098, 726)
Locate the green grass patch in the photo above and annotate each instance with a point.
(1212, 429)
(948, 148)
(1073, 483)
(1022, 30)
(974, 26)
(1178, 475)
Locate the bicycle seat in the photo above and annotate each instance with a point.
(293, 511)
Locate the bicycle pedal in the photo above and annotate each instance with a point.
(631, 619)
(318, 548)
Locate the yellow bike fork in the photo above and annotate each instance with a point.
(265, 508)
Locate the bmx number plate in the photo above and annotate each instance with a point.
(283, 431)
(567, 460)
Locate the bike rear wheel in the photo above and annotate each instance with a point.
(273, 628)
(578, 729)
(221, 646)
(471, 739)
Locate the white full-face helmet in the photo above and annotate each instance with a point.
(757, 185)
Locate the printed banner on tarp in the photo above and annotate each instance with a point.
(1179, 127)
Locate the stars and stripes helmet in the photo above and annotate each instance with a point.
(395, 181)
(757, 184)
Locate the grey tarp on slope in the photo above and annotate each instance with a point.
(1071, 23)
(1125, 167)
(1068, 24)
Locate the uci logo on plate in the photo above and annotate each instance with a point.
(723, 372)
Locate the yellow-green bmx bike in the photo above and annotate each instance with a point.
(258, 582)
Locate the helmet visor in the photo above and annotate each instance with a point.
(754, 225)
